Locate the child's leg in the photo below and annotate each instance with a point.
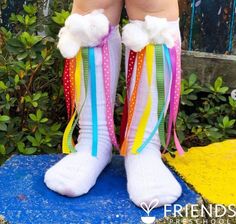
(112, 9)
(148, 178)
(76, 173)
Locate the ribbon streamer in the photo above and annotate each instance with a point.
(92, 69)
(161, 90)
(162, 114)
(132, 58)
(107, 90)
(133, 100)
(66, 86)
(146, 114)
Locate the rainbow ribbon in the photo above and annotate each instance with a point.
(133, 99)
(72, 91)
(172, 58)
(146, 114)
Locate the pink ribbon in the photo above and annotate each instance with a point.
(107, 87)
(175, 54)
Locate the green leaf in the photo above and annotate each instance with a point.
(2, 85)
(35, 104)
(4, 118)
(22, 56)
(14, 42)
(225, 121)
(17, 79)
(39, 114)
(32, 140)
(192, 79)
(30, 151)
(33, 117)
(44, 120)
(21, 147)
(2, 150)
(38, 136)
(223, 90)
(3, 127)
(30, 9)
(55, 127)
(218, 83)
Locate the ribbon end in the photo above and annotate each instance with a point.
(124, 147)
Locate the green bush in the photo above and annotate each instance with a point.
(207, 114)
(32, 109)
(31, 96)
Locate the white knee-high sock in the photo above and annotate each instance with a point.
(148, 178)
(77, 172)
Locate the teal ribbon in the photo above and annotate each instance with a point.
(92, 69)
(167, 57)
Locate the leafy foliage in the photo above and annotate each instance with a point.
(206, 116)
(31, 98)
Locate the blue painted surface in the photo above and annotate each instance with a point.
(24, 198)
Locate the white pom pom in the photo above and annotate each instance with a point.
(98, 27)
(78, 26)
(168, 36)
(135, 36)
(68, 46)
(155, 25)
(88, 29)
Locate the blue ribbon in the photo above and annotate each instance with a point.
(93, 101)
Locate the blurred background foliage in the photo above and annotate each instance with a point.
(32, 108)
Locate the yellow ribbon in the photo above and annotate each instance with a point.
(150, 49)
(65, 145)
(76, 78)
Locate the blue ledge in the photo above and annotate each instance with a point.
(24, 198)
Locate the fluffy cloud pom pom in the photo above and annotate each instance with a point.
(67, 44)
(135, 36)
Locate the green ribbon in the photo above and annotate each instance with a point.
(160, 89)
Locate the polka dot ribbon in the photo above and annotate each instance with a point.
(175, 54)
(72, 82)
(172, 56)
(133, 99)
(132, 58)
(72, 88)
(107, 90)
